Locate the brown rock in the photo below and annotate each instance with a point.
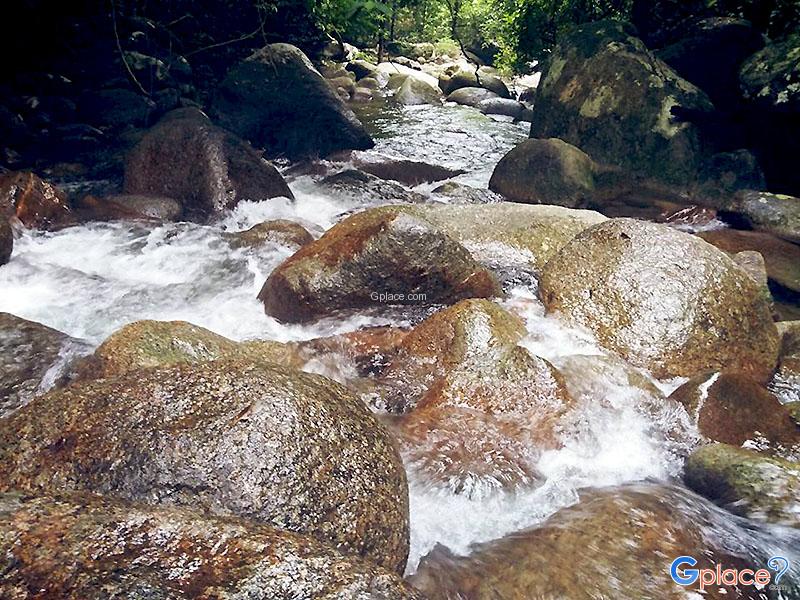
(279, 231)
(205, 168)
(35, 202)
(408, 172)
(6, 241)
(379, 251)
(614, 543)
(782, 258)
(84, 547)
(233, 438)
(128, 206)
(545, 172)
(663, 299)
(732, 408)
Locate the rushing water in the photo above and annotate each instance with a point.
(89, 280)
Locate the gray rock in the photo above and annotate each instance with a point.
(777, 214)
(470, 96)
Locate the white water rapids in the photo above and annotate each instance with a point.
(89, 280)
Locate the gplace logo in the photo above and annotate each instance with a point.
(682, 572)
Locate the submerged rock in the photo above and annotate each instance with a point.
(733, 409)
(207, 169)
(37, 203)
(663, 299)
(614, 543)
(777, 214)
(128, 206)
(276, 99)
(278, 231)
(367, 188)
(233, 438)
(408, 172)
(746, 482)
(33, 358)
(606, 93)
(545, 172)
(6, 241)
(379, 256)
(146, 344)
(84, 547)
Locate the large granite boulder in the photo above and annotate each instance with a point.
(264, 442)
(545, 172)
(380, 256)
(277, 100)
(606, 93)
(206, 168)
(85, 547)
(663, 299)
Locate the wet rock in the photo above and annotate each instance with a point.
(615, 542)
(6, 241)
(466, 194)
(206, 168)
(408, 172)
(545, 172)
(746, 482)
(452, 80)
(606, 93)
(509, 236)
(367, 188)
(276, 99)
(481, 407)
(786, 382)
(415, 91)
(781, 258)
(33, 358)
(753, 263)
(394, 70)
(732, 408)
(37, 203)
(379, 256)
(260, 441)
(710, 53)
(470, 96)
(502, 106)
(777, 214)
(82, 547)
(663, 299)
(279, 231)
(128, 206)
(147, 344)
(771, 77)
(361, 94)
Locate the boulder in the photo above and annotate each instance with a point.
(6, 241)
(781, 258)
(276, 99)
(128, 206)
(470, 96)
(545, 172)
(408, 172)
(414, 91)
(507, 236)
(733, 409)
(207, 169)
(146, 344)
(606, 93)
(85, 547)
(459, 193)
(776, 214)
(452, 80)
(381, 255)
(502, 106)
(264, 442)
(709, 56)
(365, 188)
(279, 231)
(614, 543)
(747, 482)
(663, 299)
(33, 358)
(771, 77)
(393, 69)
(37, 203)
(361, 68)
